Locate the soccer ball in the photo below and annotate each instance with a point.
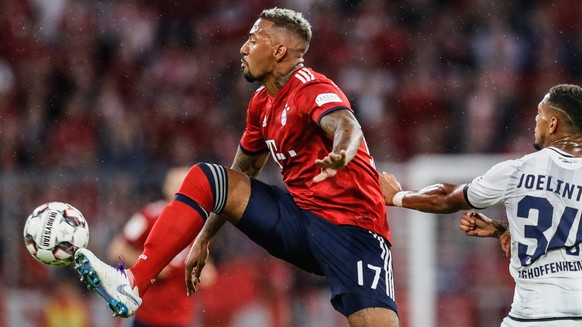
(54, 231)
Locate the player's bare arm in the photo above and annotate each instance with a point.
(477, 224)
(347, 136)
(251, 165)
(437, 198)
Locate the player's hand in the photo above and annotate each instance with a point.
(389, 186)
(477, 224)
(194, 264)
(505, 242)
(330, 164)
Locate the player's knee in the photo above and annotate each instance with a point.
(206, 184)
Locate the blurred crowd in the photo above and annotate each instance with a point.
(138, 83)
(138, 86)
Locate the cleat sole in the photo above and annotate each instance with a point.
(90, 279)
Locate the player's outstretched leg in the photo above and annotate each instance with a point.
(203, 190)
(109, 282)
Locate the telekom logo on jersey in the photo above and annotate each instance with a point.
(279, 155)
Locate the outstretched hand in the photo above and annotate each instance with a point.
(389, 186)
(330, 164)
(477, 224)
(194, 264)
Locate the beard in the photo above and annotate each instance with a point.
(537, 146)
(249, 77)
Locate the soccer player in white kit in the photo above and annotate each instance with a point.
(542, 194)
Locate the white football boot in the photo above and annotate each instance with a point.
(110, 282)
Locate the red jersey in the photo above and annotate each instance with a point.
(287, 125)
(165, 303)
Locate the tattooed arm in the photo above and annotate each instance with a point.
(347, 136)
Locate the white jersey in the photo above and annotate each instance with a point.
(542, 193)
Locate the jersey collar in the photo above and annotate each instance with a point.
(565, 154)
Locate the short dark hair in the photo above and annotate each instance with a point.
(568, 97)
(290, 20)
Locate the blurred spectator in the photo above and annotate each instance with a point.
(166, 303)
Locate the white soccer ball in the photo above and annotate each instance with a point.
(54, 231)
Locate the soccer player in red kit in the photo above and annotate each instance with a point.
(165, 303)
(330, 221)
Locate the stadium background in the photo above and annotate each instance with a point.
(97, 99)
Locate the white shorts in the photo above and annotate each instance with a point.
(508, 322)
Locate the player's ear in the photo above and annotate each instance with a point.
(280, 52)
(553, 125)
